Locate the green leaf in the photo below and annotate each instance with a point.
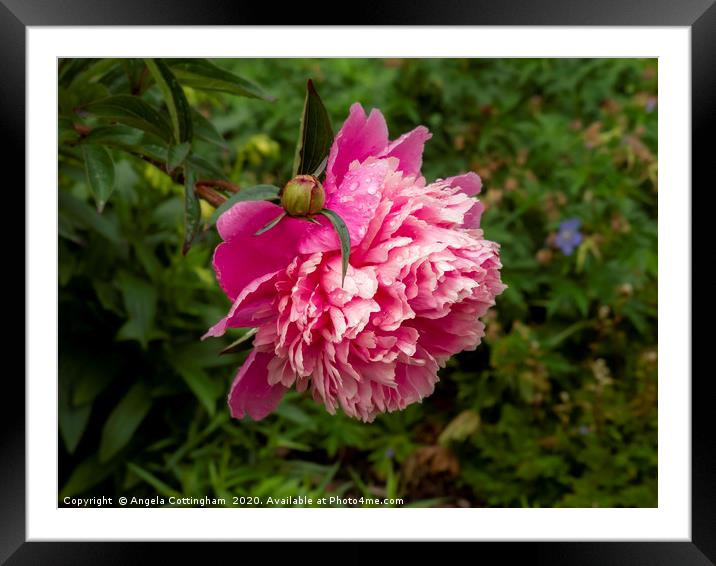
(235, 345)
(86, 475)
(132, 111)
(124, 421)
(140, 302)
(176, 155)
(205, 130)
(270, 224)
(152, 480)
(68, 69)
(66, 131)
(192, 210)
(118, 135)
(175, 99)
(204, 168)
(315, 136)
(133, 68)
(84, 216)
(204, 75)
(72, 420)
(99, 169)
(206, 390)
(257, 192)
(342, 230)
(89, 385)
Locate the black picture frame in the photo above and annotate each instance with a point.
(17, 15)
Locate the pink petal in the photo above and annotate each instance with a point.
(408, 148)
(359, 138)
(355, 201)
(473, 216)
(471, 185)
(243, 257)
(251, 393)
(251, 308)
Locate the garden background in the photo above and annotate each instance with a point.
(556, 408)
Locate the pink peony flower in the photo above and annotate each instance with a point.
(419, 278)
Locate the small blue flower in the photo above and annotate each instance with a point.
(568, 236)
(650, 104)
(389, 453)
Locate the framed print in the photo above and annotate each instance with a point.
(402, 280)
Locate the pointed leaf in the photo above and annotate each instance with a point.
(205, 130)
(99, 169)
(176, 155)
(154, 481)
(132, 111)
(321, 167)
(342, 230)
(175, 99)
(204, 75)
(72, 420)
(205, 390)
(315, 136)
(124, 421)
(140, 303)
(84, 216)
(192, 209)
(270, 225)
(86, 475)
(234, 346)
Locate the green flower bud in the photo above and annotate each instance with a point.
(303, 195)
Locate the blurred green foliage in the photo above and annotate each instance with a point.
(557, 407)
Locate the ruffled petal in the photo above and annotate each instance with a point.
(354, 201)
(251, 308)
(251, 393)
(360, 137)
(408, 148)
(471, 185)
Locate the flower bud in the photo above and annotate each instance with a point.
(303, 195)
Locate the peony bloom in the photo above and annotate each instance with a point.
(419, 278)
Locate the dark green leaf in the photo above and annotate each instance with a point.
(204, 168)
(192, 210)
(321, 167)
(235, 346)
(132, 111)
(68, 69)
(174, 98)
(134, 69)
(86, 475)
(204, 75)
(315, 135)
(84, 216)
(66, 131)
(140, 302)
(177, 154)
(89, 385)
(271, 224)
(119, 135)
(73, 420)
(99, 169)
(123, 421)
(152, 480)
(205, 130)
(258, 192)
(342, 230)
(206, 390)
